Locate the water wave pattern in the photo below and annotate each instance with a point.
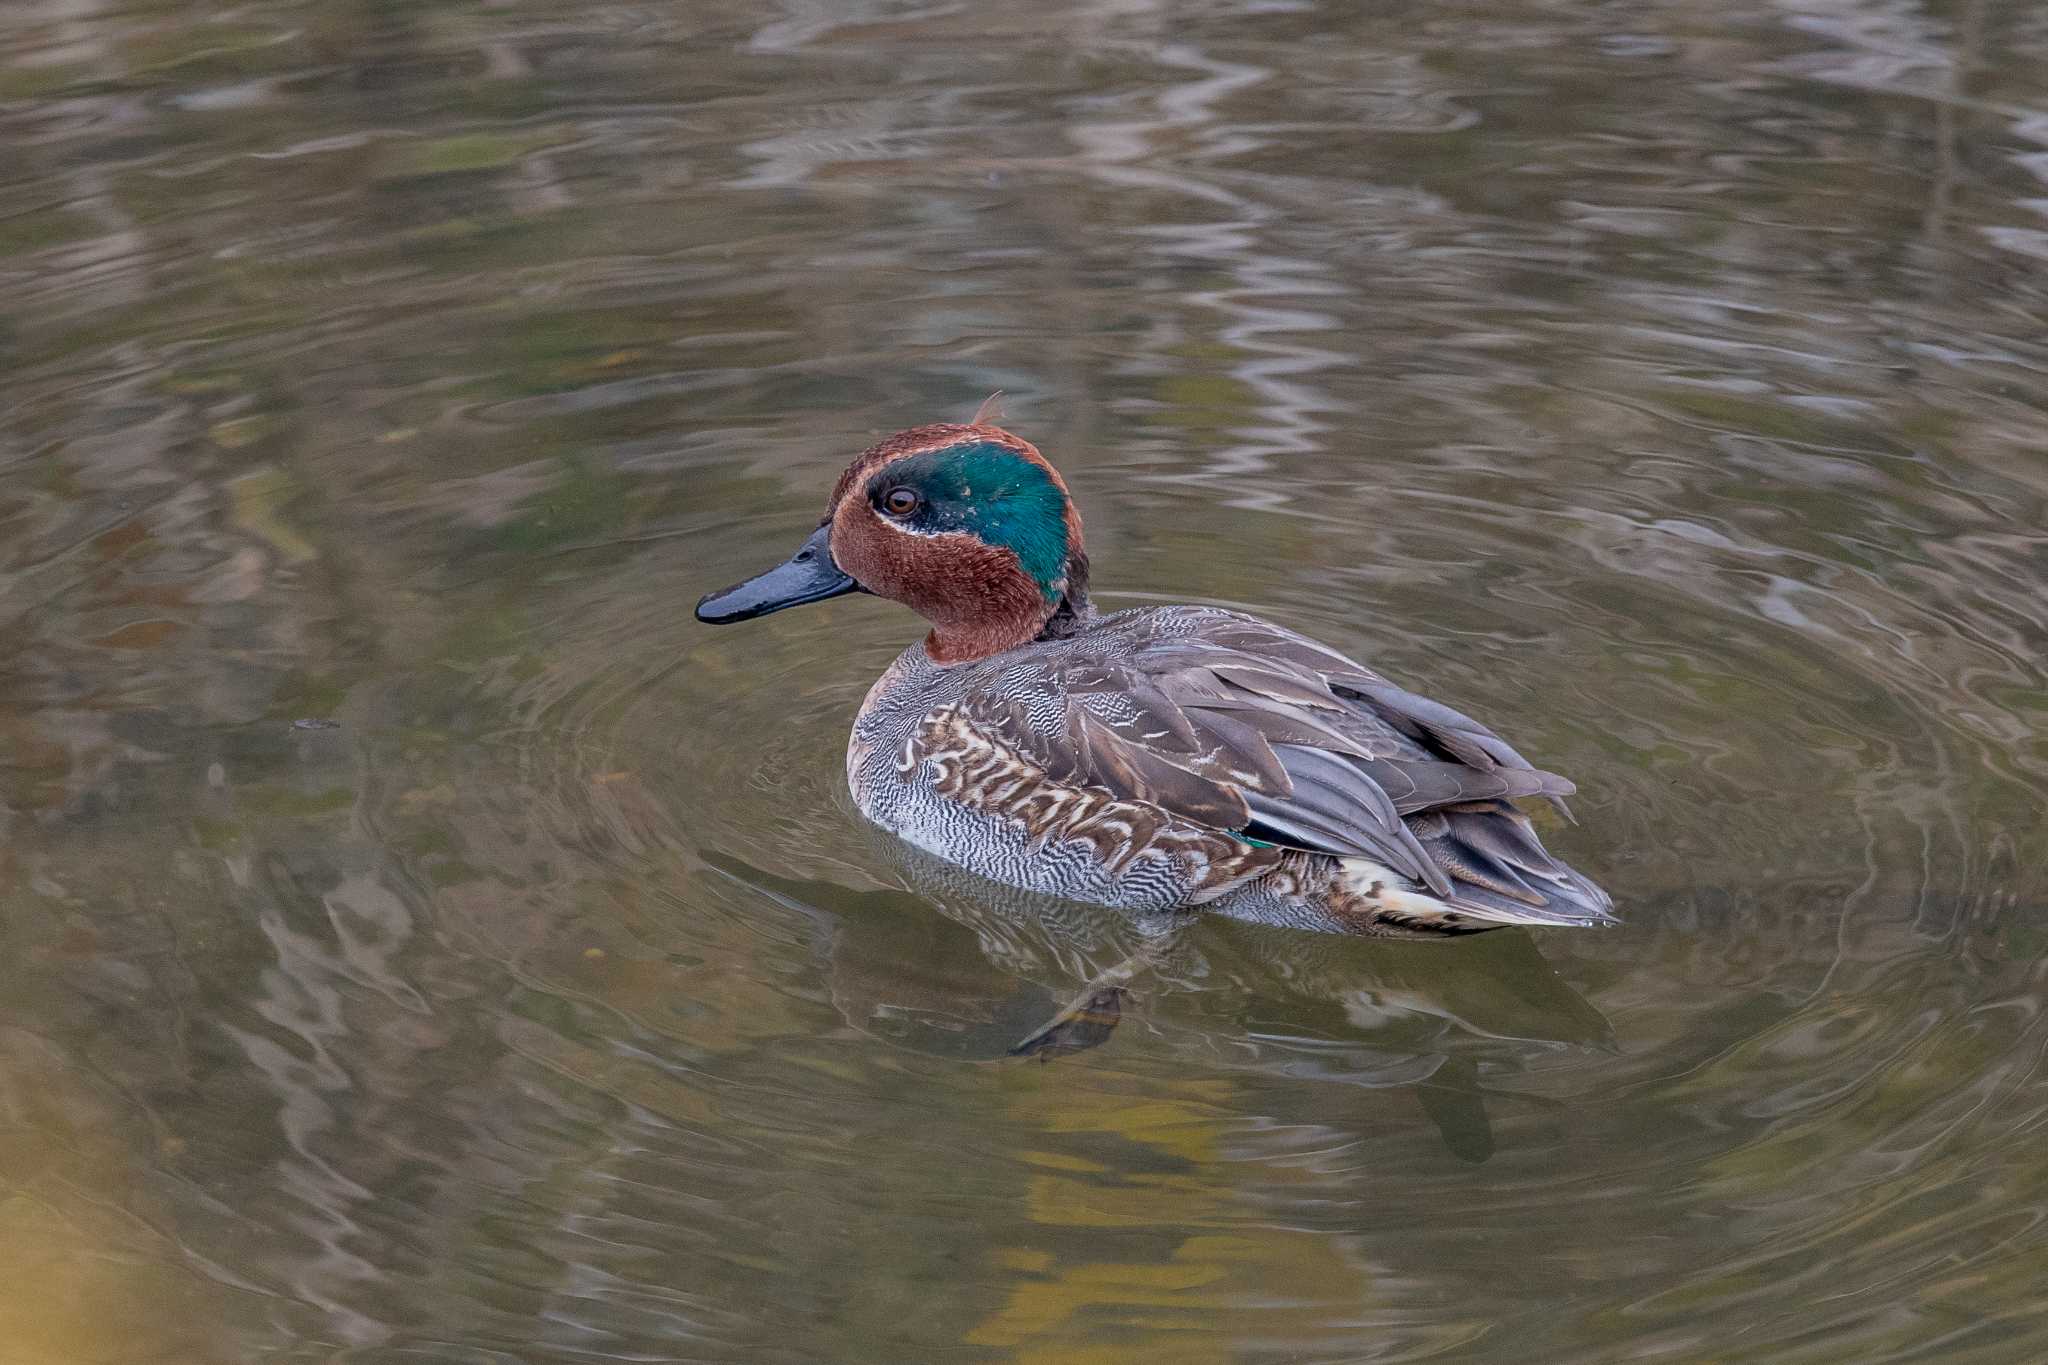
(430, 944)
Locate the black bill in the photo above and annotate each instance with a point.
(807, 576)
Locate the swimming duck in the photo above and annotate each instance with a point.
(1155, 759)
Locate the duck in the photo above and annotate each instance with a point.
(1159, 760)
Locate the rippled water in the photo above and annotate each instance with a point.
(1667, 383)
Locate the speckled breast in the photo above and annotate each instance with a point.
(920, 767)
(898, 774)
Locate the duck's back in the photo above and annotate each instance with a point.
(1191, 756)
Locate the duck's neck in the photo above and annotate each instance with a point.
(1076, 609)
(1006, 619)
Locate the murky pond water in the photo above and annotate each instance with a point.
(1666, 383)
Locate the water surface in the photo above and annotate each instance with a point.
(1665, 383)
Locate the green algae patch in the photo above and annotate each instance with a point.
(257, 497)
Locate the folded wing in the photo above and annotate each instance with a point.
(1246, 727)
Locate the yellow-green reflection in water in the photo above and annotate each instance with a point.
(1667, 384)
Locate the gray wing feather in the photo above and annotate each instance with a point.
(1456, 735)
(1239, 724)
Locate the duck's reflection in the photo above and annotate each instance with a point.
(1000, 974)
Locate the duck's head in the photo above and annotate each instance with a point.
(965, 524)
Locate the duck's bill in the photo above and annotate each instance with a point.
(809, 575)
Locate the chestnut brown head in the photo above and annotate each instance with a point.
(967, 525)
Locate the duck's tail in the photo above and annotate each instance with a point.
(1500, 874)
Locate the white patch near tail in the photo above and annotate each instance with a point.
(1393, 893)
(1399, 898)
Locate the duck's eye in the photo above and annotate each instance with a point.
(901, 502)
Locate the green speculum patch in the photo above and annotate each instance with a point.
(992, 493)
